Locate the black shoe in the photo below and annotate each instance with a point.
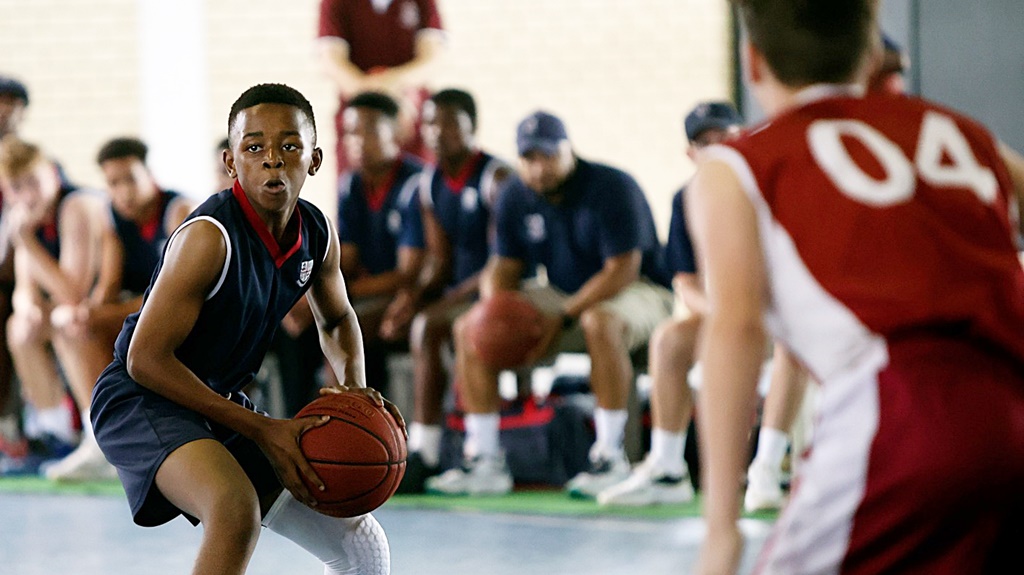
(416, 474)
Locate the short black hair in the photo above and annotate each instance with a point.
(458, 99)
(272, 94)
(125, 147)
(810, 41)
(376, 101)
(224, 144)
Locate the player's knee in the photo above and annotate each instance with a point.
(234, 514)
(673, 335)
(24, 331)
(460, 330)
(601, 324)
(428, 327)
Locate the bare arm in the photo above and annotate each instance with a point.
(437, 266)
(617, 273)
(500, 273)
(68, 280)
(108, 286)
(336, 321)
(179, 209)
(340, 338)
(1015, 165)
(688, 289)
(334, 56)
(415, 72)
(734, 338)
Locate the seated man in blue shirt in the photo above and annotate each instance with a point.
(379, 221)
(458, 196)
(591, 229)
(379, 225)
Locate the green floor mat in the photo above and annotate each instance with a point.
(38, 485)
(526, 502)
(549, 503)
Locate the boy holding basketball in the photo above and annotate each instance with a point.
(168, 411)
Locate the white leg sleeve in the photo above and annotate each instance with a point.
(347, 546)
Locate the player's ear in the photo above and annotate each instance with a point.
(318, 158)
(229, 163)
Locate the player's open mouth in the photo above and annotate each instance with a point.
(274, 185)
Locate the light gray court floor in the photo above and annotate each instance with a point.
(84, 535)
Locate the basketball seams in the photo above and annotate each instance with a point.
(359, 486)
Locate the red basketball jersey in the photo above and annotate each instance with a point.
(880, 216)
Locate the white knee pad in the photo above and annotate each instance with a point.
(347, 546)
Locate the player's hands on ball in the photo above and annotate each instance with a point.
(720, 554)
(376, 397)
(279, 440)
(551, 326)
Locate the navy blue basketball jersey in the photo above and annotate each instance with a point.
(142, 245)
(462, 204)
(48, 233)
(604, 214)
(679, 250)
(258, 284)
(379, 221)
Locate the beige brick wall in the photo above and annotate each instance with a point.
(621, 73)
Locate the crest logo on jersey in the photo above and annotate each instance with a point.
(305, 270)
(394, 222)
(470, 199)
(535, 229)
(409, 17)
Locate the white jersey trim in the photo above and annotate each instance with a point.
(330, 235)
(227, 243)
(408, 191)
(427, 187)
(814, 532)
(488, 186)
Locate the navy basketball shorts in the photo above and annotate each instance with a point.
(137, 429)
(916, 468)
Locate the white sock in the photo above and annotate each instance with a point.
(771, 446)
(667, 450)
(347, 546)
(425, 440)
(610, 429)
(57, 422)
(482, 435)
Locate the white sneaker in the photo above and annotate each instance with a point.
(648, 485)
(764, 488)
(85, 463)
(477, 476)
(603, 473)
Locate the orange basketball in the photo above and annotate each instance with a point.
(503, 329)
(359, 453)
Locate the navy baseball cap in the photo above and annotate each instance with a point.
(540, 131)
(710, 116)
(11, 87)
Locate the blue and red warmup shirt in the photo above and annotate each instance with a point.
(679, 250)
(142, 245)
(258, 285)
(462, 205)
(48, 232)
(604, 214)
(379, 221)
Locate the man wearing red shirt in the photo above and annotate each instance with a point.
(386, 46)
